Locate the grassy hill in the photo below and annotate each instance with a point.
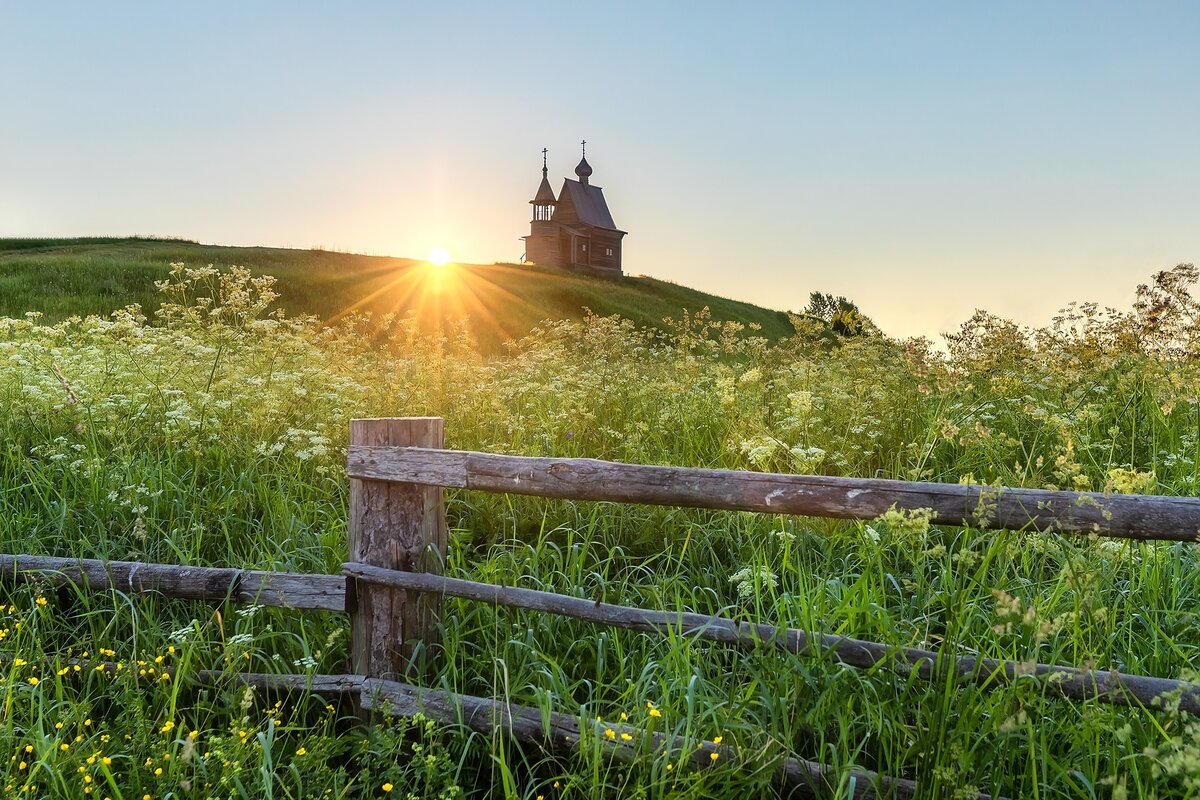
(61, 277)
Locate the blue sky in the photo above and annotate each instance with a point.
(923, 159)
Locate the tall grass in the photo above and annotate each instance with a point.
(214, 433)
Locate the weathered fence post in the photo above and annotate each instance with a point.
(399, 526)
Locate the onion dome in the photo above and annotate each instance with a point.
(584, 170)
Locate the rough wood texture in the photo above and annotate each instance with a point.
(400, 526)
(318, 684)
(293, 590)
(1106, 687)
(1128, 516)
(278, 589)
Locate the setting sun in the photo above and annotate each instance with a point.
(439, 257)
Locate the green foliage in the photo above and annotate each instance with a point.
(835, 317)
(210, 429)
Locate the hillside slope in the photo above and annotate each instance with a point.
(62, 277)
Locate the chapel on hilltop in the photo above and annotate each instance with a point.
(576, 230)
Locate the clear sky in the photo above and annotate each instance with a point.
(924, 159)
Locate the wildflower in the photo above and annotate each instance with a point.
(33, 681)
(301, 751)
(714, 756)
(610, 733)
(626, 737)
(912, 522)
(167, 727)
(41, 601)
(387, 787)
(717, 739)
(747, 577)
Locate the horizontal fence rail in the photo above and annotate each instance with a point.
(278, 589)
(563, 732)
(567, 733)
(1146, 517)
(1111, 687)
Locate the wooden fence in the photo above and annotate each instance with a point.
(392, 587)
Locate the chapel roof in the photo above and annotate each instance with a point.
(589, 204)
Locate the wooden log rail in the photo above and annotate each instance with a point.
(216, 584)
(567, 733)
(1112, 687)
(1145, 517)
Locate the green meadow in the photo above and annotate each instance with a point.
(207, 425)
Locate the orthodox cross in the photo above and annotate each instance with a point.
(544, 151)
(583, 144)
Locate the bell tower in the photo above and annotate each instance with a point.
(541, 245)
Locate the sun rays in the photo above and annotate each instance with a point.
(439, 296)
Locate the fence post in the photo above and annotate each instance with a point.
(399, 526)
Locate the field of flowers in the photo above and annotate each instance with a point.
(215, 434)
